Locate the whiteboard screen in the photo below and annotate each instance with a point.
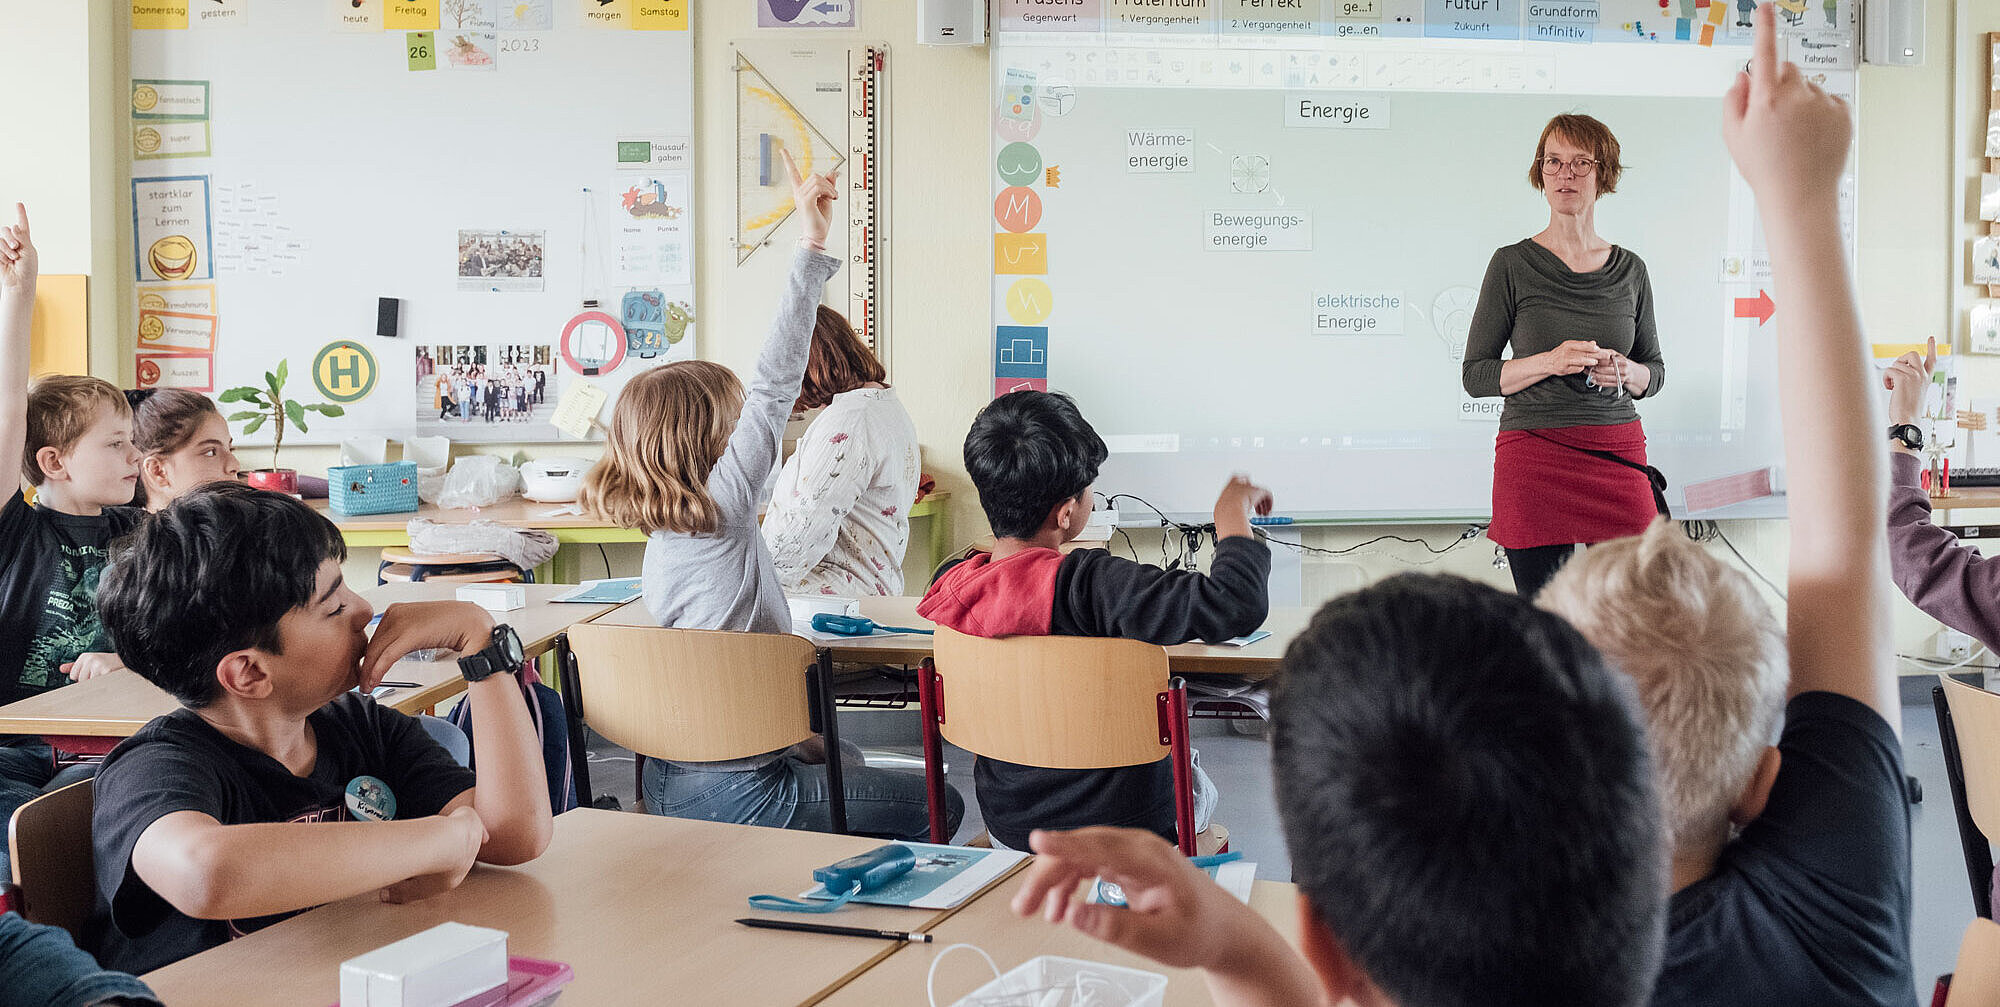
(1293, 302)
(338, 173)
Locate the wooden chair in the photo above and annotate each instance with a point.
(693, 695)
(1976, 980)
(1969, 729)
(53, 870)
(1058, 702)
(400, 564)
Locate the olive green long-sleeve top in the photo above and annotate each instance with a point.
(1532, 302)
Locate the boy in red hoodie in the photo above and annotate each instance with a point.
(1033, 457)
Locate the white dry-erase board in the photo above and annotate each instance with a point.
(1261, 254)
(310, 168)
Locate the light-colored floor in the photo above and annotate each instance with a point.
(1240, 766)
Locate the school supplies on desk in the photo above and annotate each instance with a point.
(939, 877)
(1247, 639)
(855, 625)
(611, 591)
(821, 928)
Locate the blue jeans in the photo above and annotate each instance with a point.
(790, 794)
(27, 771)
(41, 967)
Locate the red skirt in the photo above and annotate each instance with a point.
(1547, 493)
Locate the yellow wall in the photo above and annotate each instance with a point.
(1911, 195)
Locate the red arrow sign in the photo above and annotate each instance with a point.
(1758, 307)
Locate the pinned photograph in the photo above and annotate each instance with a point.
(1989, 197)
(1993, 134)
(1986, 259)
(1984, 332)
(486, 391)
(507, 261)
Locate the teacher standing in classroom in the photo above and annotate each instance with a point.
(1569, 466)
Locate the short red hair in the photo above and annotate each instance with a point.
(1591, 135)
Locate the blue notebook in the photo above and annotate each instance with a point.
(614, 591)
(943, 877)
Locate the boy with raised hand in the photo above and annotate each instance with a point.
(277, 787)
(1469, 810)
(1033, 457)
(1791, 863)
(71, 437)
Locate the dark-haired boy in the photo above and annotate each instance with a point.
(1469, 808)
(276, 788)
(70, 437)
(1033, 457)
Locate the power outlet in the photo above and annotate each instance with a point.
(1951, 645)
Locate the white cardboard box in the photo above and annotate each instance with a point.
(448, 963)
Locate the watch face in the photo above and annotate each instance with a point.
(510, 644)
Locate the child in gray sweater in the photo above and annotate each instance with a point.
(686, 461)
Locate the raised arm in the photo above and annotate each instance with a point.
(19, 266)
(1789, 140)
(767, 403)
(1948, 579)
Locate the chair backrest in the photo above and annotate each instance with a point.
(1057, 702)
(1976, 981)
(693, 695)
(49, 840)
(1975, 718)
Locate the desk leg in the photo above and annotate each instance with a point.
(572, 692)
(836, 783)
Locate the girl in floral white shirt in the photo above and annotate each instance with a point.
(839, 519)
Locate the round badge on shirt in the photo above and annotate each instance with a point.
(370, 800)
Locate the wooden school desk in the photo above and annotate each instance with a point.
(1970, 512)
(989, 923)
(640, 906)
(1256, 661)
(118, 704)
(377, 530)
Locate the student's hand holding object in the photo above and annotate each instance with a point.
(462, 835)
(1906, 380)
(92, 665)
(458, 626)
(1174, 913)
(18, 261)
(814, 196)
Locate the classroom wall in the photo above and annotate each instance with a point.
(1909, 200)
(61, 155)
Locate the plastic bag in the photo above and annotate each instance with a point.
(478, 481)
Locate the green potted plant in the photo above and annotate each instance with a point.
(272, 405)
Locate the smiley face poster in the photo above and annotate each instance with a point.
(170, 225)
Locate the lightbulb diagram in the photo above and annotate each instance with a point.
(1451, 317)
(1249, 173)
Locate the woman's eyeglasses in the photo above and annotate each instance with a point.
(1582, 167)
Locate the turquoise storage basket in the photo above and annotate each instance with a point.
(389, 488)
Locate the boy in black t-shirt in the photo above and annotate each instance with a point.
(276, 787)
(71, 437)
(1033, 457)
(1791, 863)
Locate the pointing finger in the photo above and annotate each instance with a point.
(1764, 50)
(792, 166)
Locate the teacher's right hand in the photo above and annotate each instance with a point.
(1574, 356)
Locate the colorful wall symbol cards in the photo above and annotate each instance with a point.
(170, 223)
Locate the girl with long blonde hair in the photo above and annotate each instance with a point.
(686, 461)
